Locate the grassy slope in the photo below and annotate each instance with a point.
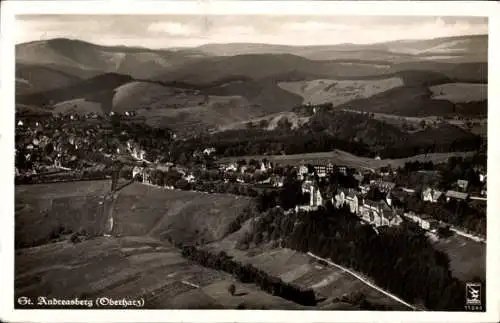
(84, 57)
(186, 216)
(339, 91)
(37, 78)
(42, 208)
(467, 257)
(134, 268)
(300, 269)
(344, 158)
(137, 264)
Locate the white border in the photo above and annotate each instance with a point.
(386, 8)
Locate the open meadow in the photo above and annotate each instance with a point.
(340, 157)
(134, 268)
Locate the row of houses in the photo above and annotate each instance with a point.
(377, 213)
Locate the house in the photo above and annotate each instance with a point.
(364, 188)
(456, 196)
(265, 166)
(431, 195)
(384, 186)
(463, 184)
(20, 123)
(277, 181)
(323, 168)
(338, 200)
(233, 167)
(303, 170)
(342, 170)
(385, 171)
(209, 151)
(482, 177)
(351, 199)
(190, 178)
(137, 171)
(422, 220)
(379, 213)
(306, 186)
(316, 198)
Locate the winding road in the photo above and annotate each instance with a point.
(365, 281)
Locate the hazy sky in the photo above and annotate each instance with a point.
(189, 30)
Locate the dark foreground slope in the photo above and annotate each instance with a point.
(137, 261)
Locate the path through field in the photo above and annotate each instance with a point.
(364, 281)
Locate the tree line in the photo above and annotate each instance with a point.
(246, 273)
(399, 259)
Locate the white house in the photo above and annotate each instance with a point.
(232, 167)
(482, 178)
(137, 171)
(303, 170)
(462, 184)
(351, 199)
(190, 178)
(431, 195)
(209, 151)
(316, 199)
(20, 123)
(339, 199)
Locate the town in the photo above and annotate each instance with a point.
(441, 197)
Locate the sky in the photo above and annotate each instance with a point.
(170, 31)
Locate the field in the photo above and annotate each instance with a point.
(343, 158)
(185, 216)
(137, 210)
(467, 257)
(300, 269)
(460, 92)
(134, 262)
(134, 268)
(339, 91)
(41, 210)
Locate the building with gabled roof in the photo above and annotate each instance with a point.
(431, 195)
(456, 195)
(463, 184)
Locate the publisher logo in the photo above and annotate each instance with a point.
(473, 294)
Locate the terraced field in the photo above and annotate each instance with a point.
(300, 269)
(134, 268)
(134, 262)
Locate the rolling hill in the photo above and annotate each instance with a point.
(459, 49)
(87, 58)
(114, 266)
(31, 78)
(189, 89)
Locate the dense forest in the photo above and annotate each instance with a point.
(359, 134)
(399, 259)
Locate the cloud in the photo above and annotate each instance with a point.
(314, 26)
(181, 30)
(174, 28)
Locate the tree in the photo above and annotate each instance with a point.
(231, 289)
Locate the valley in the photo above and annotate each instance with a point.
(252, 176)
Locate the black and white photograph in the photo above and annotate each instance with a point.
(205, 160)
